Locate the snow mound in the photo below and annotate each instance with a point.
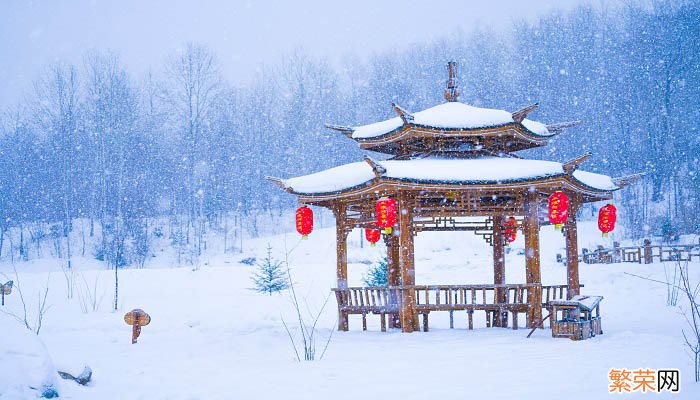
(26, 370)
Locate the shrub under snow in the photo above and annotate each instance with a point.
(27, 369)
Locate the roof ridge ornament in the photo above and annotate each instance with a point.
(573, 164)
(558, 128)
(377, 168)
(279, 182)
(520, 115)
(406, 116)
(623, 181)
(345, 130)
(452, 91)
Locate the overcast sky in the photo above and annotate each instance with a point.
(244, 34)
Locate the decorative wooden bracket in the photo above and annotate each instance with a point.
(559, 128)
(627, 179)
(520, 115)
(406, 116)
(571, 165)
(345, 130)
(367, 225)
(376, 167)
(279, 182)
(347, 229)
(340, 214)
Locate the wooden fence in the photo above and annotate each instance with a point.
(642, 254)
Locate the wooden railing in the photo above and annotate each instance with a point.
(494, 299)
(374, 299)
(554, 292)
(468, 297)
(642, 254)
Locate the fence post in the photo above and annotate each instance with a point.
(639, 255)
(617, 252)
(648, 259)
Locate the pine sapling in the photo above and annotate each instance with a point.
(270, 277)
(377, 274)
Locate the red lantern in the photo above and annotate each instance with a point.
(511, 231)
(607, 216)
(305, 221)
(386, 214)
(372, 236)
(558, 209)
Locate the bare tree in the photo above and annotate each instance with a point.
(194, 82)
(88, 296)
(33, 324)
(112, 110)
(692, 336)
(57, 113)
(691, 290)
(307, 325)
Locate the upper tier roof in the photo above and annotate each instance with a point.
(451, 116)
(453, 128)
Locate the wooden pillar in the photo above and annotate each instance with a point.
(499, 267)
(393, 276)
(531, 228)
(572, 277)
(341, 246)
(408, 314)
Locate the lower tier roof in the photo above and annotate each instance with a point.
(434, 170)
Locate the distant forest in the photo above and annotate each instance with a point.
(93, 141)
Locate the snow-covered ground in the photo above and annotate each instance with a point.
(211, 337)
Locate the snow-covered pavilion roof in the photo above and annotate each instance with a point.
(453, 148)
(475, 171)
(451, 116)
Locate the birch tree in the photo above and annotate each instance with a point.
(193, 84)
(112, 109)
(57, 114)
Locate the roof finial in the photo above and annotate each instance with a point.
(452, 92)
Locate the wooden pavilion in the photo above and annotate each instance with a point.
(449, 164)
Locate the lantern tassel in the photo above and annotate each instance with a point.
(304, 237)
(605, 234)
(387, 231)
(557, 227)
(372, 244)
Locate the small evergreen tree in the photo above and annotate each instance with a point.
(270, 277)
(669, 232)
(377, 274)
